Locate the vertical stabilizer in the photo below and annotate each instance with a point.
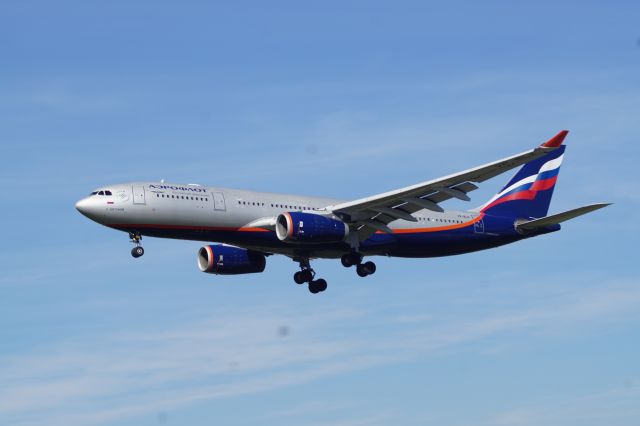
(528, 194)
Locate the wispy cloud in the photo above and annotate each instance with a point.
(226, 356)
(609, 407)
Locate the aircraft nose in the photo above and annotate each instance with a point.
(83, 206)
(90, 208)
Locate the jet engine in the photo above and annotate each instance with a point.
(298, 227)
(228, 260)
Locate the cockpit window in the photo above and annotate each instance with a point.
(103, 192)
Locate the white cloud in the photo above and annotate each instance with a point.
(224, 356)
(614, 406)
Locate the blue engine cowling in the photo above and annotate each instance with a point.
(309, 228)
(228, 260)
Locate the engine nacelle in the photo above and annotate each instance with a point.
(297, 227)
(228, 260)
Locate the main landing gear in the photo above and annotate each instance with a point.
(307, 275)
(135, 238)
(362, 269)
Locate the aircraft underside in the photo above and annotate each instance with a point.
(407, 245)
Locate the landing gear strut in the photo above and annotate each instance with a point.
(307, 275)
(354, 258)
(135, 238)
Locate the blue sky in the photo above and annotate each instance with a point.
(342, 99)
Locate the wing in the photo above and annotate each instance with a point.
(374, 213)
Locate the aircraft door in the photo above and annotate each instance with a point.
(138, 194)
(478, 227)
(218, 201)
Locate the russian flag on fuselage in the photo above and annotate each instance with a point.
(529, 193)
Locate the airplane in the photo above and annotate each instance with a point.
(248, 226)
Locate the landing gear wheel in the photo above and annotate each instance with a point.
(350, 259)
(322, 284)
(360, 270)
(317, 286)
(306, 273)
(137, 251)
(369, 267)
(299, 277)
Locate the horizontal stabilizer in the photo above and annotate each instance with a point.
(555, 219)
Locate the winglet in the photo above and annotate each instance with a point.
(557, 140)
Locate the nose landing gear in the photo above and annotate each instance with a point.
(307, 275)
(135, 238)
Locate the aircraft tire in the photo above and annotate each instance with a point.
(317, 286)
(369, 267)
(361, 271)
(350, 259)
(322, 284)
(137, 251)
(299, 277)
(346, 262)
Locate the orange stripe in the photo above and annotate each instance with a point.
(211, 258)
(252, 230)
(435, 229)
(290, 223)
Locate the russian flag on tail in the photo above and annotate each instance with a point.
(528, 193)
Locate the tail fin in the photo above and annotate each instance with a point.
(528, 194)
